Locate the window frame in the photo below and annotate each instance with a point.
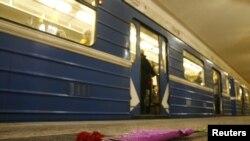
(198, 62)
(60, 30)
(164, 55)
(133, 41)
(227, 86)
(240, 93)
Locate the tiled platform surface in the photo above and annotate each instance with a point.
(66, 131)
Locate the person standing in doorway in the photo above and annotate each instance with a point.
(147, 72)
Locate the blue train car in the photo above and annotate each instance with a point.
(79, 62)
(240, 98)
(190, 92)
(48, 71)
(89, 59)
(191, 97)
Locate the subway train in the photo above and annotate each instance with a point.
(65, 60)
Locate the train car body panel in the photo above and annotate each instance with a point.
(187, 99)
(233, 96)
(46, 82)
(45, 76)
(226, 97)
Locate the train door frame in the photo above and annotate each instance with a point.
(238, 98)
(217, 92)
(246, 101)
(164, 75)
(233, 95)
(136, 71)
(135, 59)
(242, 99)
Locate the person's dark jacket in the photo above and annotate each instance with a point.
(147, 71)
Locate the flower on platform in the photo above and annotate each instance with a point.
(139, 135)
(152, 135)
(86, 136)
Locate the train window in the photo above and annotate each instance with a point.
(133, 41)
(215, 77)
(227, 87)
(164, 57)
(216, 81)
(239, 94)
(246, 95)
(193, 68)
(66, 19)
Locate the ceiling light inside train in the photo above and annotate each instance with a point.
(59, 5)
(85, 16)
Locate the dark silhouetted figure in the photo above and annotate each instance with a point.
(147, 72)
(198, 80)
(217, 97)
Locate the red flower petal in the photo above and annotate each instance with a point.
(86, 136)
(83, 136)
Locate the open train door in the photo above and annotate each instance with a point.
(156, 93)
(217, 92)
(233, 96)
(148, 81)
(135, 69)
(164, 79)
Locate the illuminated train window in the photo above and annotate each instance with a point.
(67, 19)
(193, 68)
(133, 40)
(239, 94)
(246, 96)
(216, 77)
(164, 57)
(227, 87)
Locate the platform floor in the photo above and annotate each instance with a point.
(66, 131)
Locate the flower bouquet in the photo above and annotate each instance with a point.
(139, 135)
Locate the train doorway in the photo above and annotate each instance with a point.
(149, 76)
(217, 92)
(148, 72)
(241, 98)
